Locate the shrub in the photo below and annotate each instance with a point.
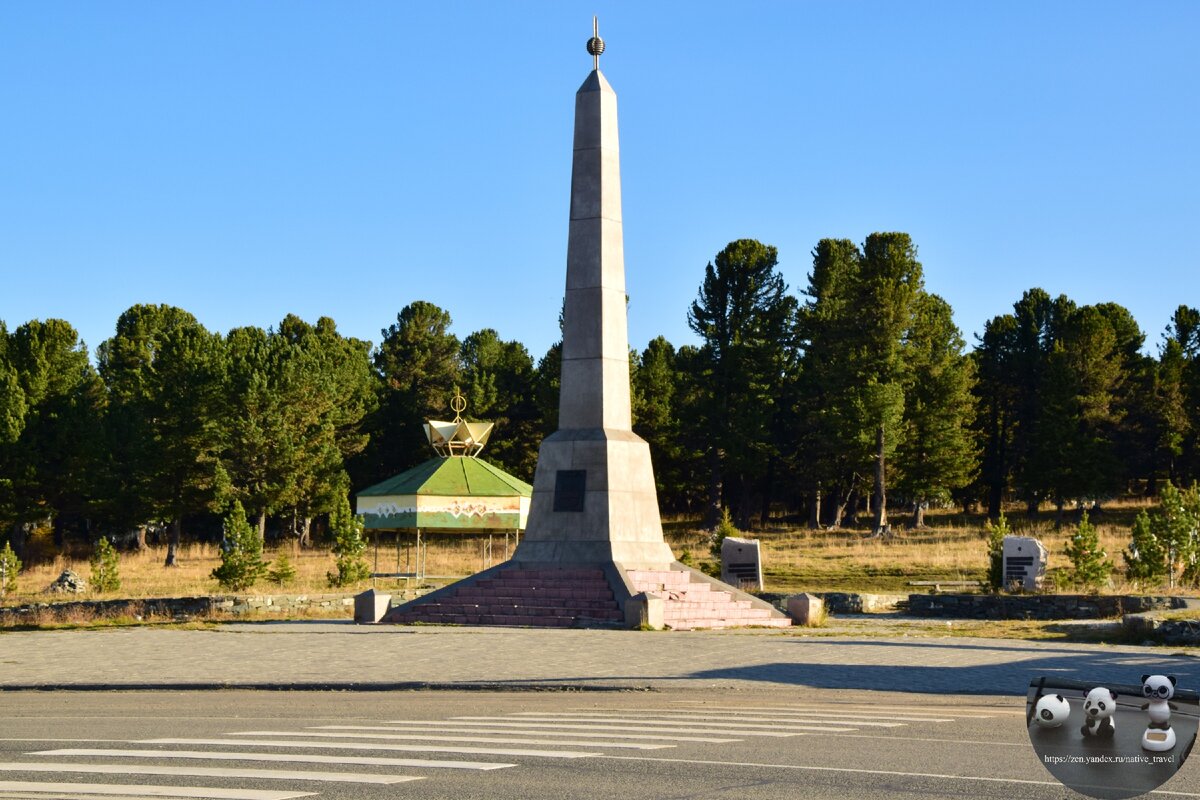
(1090, 567)
(242, 564)
(1167, 539)
(723, 529)
(1145, 558)
(995, 548)
(348, 547)
(282, 572)
(10, 565)
(105, 567)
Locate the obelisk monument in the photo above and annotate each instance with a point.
(593, 552)
(594, 498)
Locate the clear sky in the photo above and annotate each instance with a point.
(244, 160)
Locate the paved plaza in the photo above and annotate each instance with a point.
(344, 655)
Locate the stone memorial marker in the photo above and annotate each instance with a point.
(1024, 562)
(741, 563)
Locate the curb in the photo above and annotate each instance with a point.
(322, 686)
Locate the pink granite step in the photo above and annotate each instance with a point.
(692, 605)
(553, 598)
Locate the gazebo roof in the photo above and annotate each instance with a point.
(453, 476)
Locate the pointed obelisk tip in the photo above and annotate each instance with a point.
(595, 45)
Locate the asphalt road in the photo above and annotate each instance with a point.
(738, 744)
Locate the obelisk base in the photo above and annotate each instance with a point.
(594, 502)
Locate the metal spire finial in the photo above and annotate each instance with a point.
(595, 45)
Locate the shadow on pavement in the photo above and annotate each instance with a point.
(1002, 678)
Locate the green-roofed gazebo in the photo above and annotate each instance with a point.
(452, 493)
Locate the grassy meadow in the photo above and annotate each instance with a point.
(952, 547)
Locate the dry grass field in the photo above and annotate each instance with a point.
(952, 547)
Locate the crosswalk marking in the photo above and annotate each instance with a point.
(655, 737)
(938, 711)
(291, 758)
(407, 748)
(676, 717)
(733, 714)
(572, 727)
(652, 723)
(424, 737)
(130, 790)
(208, 772)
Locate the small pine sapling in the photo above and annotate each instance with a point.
(105, 563)
(282, 572)
(995, 549)
(725, 528)
(1090, 567)
(349, 546)
(242, 564)
(10, 565)
(1146, 557)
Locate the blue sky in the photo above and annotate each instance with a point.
(247, 160)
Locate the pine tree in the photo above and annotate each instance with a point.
(241, 553)
(1090, 566)
(10, 565)
(937, 453)
(1174, 524)
(282, 572)
(1146, 556)
(744, 316)
(499, 385)
(165, 375)
(348, 546)
(722, 531)
(995, 547)
(105, 563)
(418, 367)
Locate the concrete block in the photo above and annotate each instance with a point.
(370, 606)
(806, 609)
(645, 610)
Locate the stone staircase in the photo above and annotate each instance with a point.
(694, 604)
(544, 598)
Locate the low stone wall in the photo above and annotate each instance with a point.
(1036, 606)
(169, 607)
(840, 603)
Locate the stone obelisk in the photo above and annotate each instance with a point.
(593, 552)
(594, 499)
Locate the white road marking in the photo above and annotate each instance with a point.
(29, 739)
(718, 712)
(741, 727)
(407, 748)
(853, 771)
(571, 727)
(917, 739)
(931, 710)
(424, 737)
(149, 791)
(575, 734)
(291, 758)
(697, 718)
(209, 772)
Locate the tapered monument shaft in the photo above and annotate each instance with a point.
(595, 359)
(594, 499)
